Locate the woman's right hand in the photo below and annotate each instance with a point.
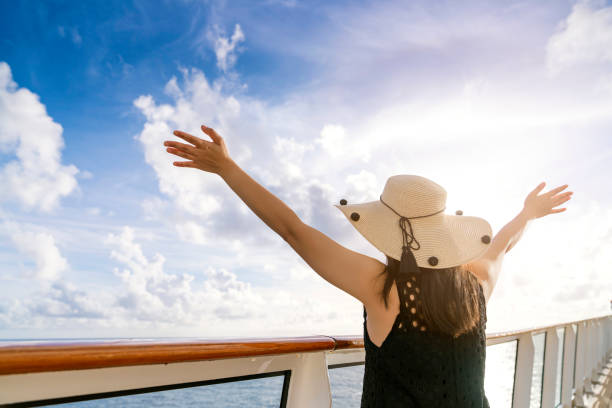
(212, 157)
(537, 206)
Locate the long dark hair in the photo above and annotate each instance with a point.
(449, 297)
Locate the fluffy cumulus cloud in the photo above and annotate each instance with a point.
(39, 248)
(151, 294)
(269, 141)
(64, 301)
(338, 145)
(583, 38)
(216, 303)
(36, 178)
(226, 48)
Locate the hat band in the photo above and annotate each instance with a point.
(408, 264)
(420, 216)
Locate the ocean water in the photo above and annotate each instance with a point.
(346, 385)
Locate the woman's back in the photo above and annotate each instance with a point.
(416, 367)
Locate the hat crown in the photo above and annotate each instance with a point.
(413, 196)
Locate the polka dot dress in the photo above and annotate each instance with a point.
(415, 367)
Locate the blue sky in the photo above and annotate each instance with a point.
(101, 236)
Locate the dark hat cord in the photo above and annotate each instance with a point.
(408, 263)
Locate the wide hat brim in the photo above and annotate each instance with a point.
(452, 239)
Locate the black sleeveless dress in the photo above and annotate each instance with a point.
(417, 368)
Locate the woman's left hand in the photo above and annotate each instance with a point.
(204, 155)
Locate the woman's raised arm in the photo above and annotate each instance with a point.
(348, 270)
(488, 266)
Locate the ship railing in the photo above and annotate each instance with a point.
(575, 355)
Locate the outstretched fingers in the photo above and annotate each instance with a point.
(212, 133)
(556, 190)
(536, 190)
(561, 198)
(181, 153)
(557, 210)
(187, 148)
(185, 164)
(196, 141)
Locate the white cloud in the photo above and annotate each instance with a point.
(148, 298)
(154, 208)
(37, 178)
(193, 232)
(39, 247)
(290, 153)
(226, 48)
(338, 145)
(363, 186)
(65, 300)
(154, 295)
(584, 38)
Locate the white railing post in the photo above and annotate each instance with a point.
(588, 372)
(603, 354)
(523, 372)
(550, 368)
(608, 336)
(602, 344)
(309, 386)
(581, 363)
(591, 372)
(597, 357)
(567, 376)
(598, 348)
(608, 346)
(604, 340)
(605, 328)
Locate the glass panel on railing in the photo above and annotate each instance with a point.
(539, 342)
(561, 337)
(499, 373)
(346, 385)
(258, 392)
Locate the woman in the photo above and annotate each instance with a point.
(425, 309)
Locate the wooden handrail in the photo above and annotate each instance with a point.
(19, 358)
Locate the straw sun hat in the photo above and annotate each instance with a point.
(408, 223)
